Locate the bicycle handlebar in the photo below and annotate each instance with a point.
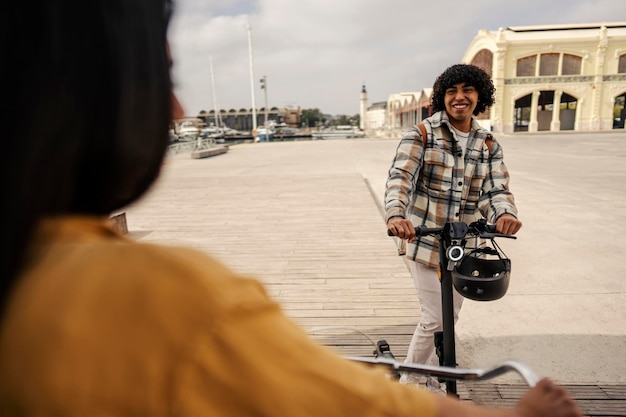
(528, 375)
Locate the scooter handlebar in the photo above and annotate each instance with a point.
(489, 232)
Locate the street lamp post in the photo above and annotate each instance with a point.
(264, 88)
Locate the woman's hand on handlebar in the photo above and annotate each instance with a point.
(547, 399)
(507, 224)
(402, 228)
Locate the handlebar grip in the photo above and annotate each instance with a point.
(383, 350)
(423, 231)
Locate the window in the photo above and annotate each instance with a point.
(484, 60)
(621, 68)
(571, 65)
(549, 64)
(526, 66)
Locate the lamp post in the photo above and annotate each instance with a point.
(264, 88)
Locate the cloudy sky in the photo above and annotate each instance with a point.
(318, 53)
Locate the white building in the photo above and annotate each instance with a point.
(399, 112)
(397, 105)
(376, 115)
(578, 70)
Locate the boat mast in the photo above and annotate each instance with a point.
(217, 121)
(252, 80)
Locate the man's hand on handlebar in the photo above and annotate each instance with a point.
(506, 224)
(402, 228)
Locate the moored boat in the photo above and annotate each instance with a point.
(264, 134)
(339, 132)
(187, 130)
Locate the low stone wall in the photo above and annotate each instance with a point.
(205, 153)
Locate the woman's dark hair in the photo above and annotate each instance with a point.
(472, 76)
(87, 104)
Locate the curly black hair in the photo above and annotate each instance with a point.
(471, 75)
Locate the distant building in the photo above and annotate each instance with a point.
(241, 119)
(404, 110)
(547, 78)
(291, 117)
(398, 105)
(375, 116)
(553, 78)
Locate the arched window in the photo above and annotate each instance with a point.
(549, 64)
(572, 65)
(526, 66)
(484, 60)
(621, 67)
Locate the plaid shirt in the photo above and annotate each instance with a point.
(440, 183)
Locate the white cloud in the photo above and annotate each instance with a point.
(318, 53)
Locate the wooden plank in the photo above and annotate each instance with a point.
(592, 399)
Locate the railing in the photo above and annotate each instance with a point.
(190, 146)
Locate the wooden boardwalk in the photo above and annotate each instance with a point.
(594, 400)
(305, 219)
(308, 228)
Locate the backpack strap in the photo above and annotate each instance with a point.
(489, 143)
(422, 129)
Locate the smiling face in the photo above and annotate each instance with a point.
(460, 101)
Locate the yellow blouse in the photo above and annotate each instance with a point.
(100, 325)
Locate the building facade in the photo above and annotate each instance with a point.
(398, 104)
(398, 113)
(376, 116)
(241, 119)
(554, 78)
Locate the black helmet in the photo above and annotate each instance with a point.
(482, 279)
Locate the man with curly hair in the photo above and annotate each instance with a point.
(456, 173)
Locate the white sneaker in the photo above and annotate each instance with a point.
(409, 378)
(433, 385)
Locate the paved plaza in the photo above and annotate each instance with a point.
(305, 218)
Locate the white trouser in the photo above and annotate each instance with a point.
(422, 347)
